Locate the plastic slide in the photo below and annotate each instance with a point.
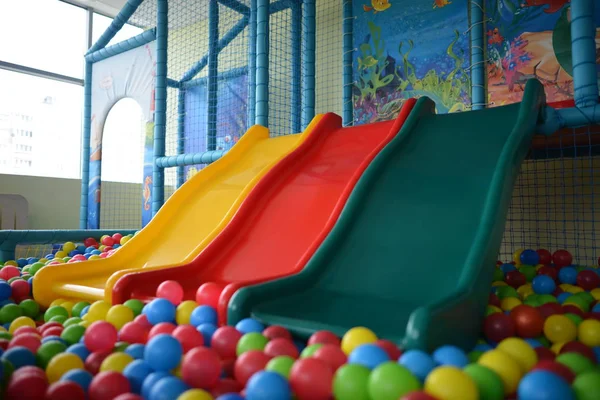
(284, 219)
(413, 252)
(186, 223)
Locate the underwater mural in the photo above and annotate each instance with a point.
(529, 39)
(409, 49)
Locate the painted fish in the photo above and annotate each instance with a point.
(554, 5)
(440, 3)
(367, 62)
(495, 36)
(377, 6)
(147, 196)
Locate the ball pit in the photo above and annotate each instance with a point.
(540, 340)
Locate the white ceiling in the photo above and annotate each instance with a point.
(108, 7)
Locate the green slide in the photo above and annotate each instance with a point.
(413, 252)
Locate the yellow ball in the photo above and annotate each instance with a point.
(19, 322)
(589, 332)
(517, 256)
(451, 383)
(60, 254)
(94, 257)
(12, 262)
(101, 247)
(355, 337)
(559, 328)
(520, 351)
(177, 371)
(85, 324)
(62, 363)
(499, 283)
(493, 308)
(119, 315)
(57, 302)
(69, 247)
(557, 347)
(43, 260)
(195, 394)
(574, 289)
(508, 303)
(184, 311)
(98, 311)
(3, 329)
(116, 362)
(125, 239)
(525, 290)
(595, 293)
(505, 366)
(68, 305)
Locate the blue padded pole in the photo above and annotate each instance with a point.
(205, 157)
(296, 45)
(223, 76)
(160, 97)
(121, 47)
(180, 133)
(252, 64)
(262, 63)
(281, 5)
(85, 145)
(213, 72)
(308, 106)
(236, 6)
(116, 25)
(478, 100)
(348, 49)
(172, 83)
(583, 45)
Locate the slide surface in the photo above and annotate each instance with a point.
(284, 219)
(413, 252)
(186, 223)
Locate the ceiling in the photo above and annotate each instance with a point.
(108, 7)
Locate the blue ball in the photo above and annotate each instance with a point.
(89, 249)
(150, 381)
(534, 343)
(87, 256)
(21, 262)
(230, 396)
(451, 355)
(368, 355)
(418, 362)
(96, 252)
(596, 308)
(248, 325)
(160, 310)
(79, 350)
(203, 315)
(506, 268)
(54, 339)
(543, 284)
(530, 257)
(563, 296)
(32, 260)
(597, 353)
(79, 376)
(568, 275)
(5, 290)
(267, 385)
(73, 253)
(80, 248)
(84, 311)
(136, 372)
(49, 257)
(136, 351)
(19, 357)
(168, 388)
(207, 331)
(483, 347)
(163, 352)
(544, 385)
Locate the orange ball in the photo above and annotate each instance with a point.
(528, 321)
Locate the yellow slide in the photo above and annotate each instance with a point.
(185, 225)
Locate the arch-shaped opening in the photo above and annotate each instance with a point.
(123, 138)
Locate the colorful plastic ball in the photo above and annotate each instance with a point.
(587, 385)
(549, 309)
(567, 275)
(251, 341)
(136, 351)
(281, 347)
(135, 305)
(515, 279)
(30, 308)
(529, 257)
(580, 348)
(80, 350)
(368, 355)
(562, 258)
(390, 348)
(281, 365)
(224, 341)
(275, 331)
(161, 328)
(488, 383)
(136, 372)
(541, 384)
(201, 368)
(249, 325)
(529, 322)
(451, 383)
(160, 310)
(170, 290)
(168, 388)
(355, 337)
(450, 355)
(94, 361)
(183, 312)
(324, 337)
(29, 385)
(576, 362)
(30, 341)
(163, 352)
(588, 332)
(559, 329)
(49, 350)
(391, 381)
(150, 381)
(309, 351)
(100, 336)
(543, 284)
(19, 357)
(545, 256)
(332, 355)
(5, 290)
(207, 331)
(79, 376)
(587, 280)
(118, 315)
(505, 367)
(8, 271)
(116, 362)
(419, 363)
(249, 363)
(520, 351)
(351, 382)
(208, 294)
(20, 289)
(108, 385)
(188, 336)
(497, 327)
(62, 363)
(311, 379)
(265, 385)
(205, 315)
(72, 334)
(132, 332)
(197, 394)
(556, 368)
(506, 268)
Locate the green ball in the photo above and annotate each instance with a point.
(533, 300)
(498, 275)
(544, 341)
(585, 296)
(30, 308)
(58, 318)
(5, 335)
(489, 311)
(575, 318)
(251, 341)
(25, 277)
(310, 350)
(547, 298)
(14, 278)
(282, 365)
(576, 362)
(35, 267)
(488, 383)
(25, 268)
(587, 386)
(351, 382)
(475, 355)
(135, 305)
(529, 272)
(66, 259)
(120, 347)
(8, 370)
(78, 307)
(579, 302)
(47, 351)
(72, 321)
(391, 381)
(9, 313)
(72, 334)
(506, 291)
(54, 311)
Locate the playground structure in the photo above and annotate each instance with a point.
(266, 107)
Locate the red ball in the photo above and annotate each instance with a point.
(324, 337)
(4, 344)
(22, 385)
(248, 364)
(170, 290)
(189, 337)
(331, 355)
(498, 326)
(100, 336)
(162, 327)
(549, 309)
(201, 368)
(544, 353)
(128, 396)
(65, 390)
(9, 271)
(208, 294)
(390, 348)
(587, 280)
(545, 256)
(107, 385)
(281, 347)
(515, 279)
(26, 329)
(90, 242)
(494, 300)
(227, 367)
(142, 319)
(31, 341)
(20, 289)
(573, 309)
(310, 379)
(578, 347)
(132, 332)
(94, 360)
(225, 386)
(275, 331)
(528, 320)
(418, 396)
(117, 237)
(52, 331)
(548, 271)
(108, 241)
(562, 258)
(556, 368)
(224, 341)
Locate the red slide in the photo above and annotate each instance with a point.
(285, 217)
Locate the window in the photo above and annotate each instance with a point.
(100, 24)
